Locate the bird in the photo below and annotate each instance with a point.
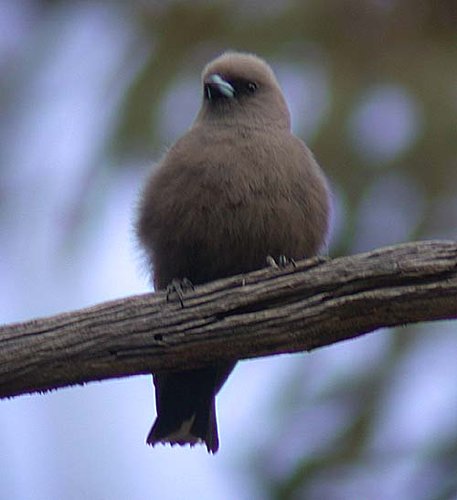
(236, 189)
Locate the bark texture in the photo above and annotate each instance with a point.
(299, 308)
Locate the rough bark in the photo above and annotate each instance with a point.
(299, 308)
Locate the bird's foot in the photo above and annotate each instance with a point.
(178, 287)
(281, 263)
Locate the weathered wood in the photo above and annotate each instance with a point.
(262, 313)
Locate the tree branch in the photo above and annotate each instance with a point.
(262, 313)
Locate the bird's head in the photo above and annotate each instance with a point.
(241, 89)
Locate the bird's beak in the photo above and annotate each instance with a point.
(216, 86)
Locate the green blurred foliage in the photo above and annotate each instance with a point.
(361, 42)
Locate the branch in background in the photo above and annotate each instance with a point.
(266, 312)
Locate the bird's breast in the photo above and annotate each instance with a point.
(222, 207)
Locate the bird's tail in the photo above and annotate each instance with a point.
(186, 409)
(199, 428)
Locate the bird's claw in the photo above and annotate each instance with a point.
(281, 263)
(178, 287)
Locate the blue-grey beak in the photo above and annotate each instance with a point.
(216, 86)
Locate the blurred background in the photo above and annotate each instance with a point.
(91, 94)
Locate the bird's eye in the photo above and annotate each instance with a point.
(251, 86)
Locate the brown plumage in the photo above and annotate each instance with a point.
(236, 188)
